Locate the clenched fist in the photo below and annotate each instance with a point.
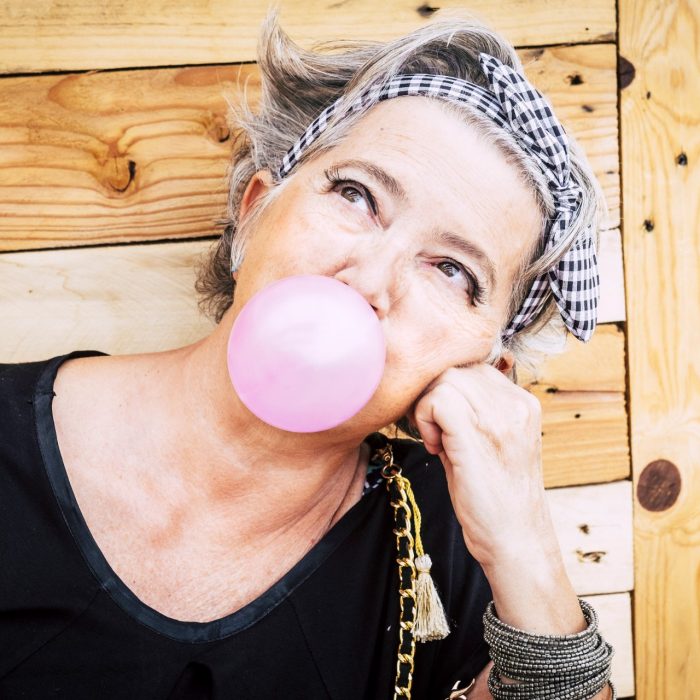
(487, 433)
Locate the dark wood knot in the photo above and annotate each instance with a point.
(659, 485)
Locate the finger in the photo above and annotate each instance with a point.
(500, 406)
(443, 413)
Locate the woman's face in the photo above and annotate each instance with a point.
(428, 222)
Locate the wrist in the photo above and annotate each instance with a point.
(535, 594)
(519, 553)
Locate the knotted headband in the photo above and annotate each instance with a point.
(520, 109)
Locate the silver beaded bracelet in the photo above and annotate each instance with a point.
(548, 667)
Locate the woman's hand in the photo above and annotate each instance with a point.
(487, 433)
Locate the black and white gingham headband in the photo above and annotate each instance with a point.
(519, 108)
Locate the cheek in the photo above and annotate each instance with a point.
(306, 240)
(428, 347)
(282, 247)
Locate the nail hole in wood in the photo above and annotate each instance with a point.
(426, 10)
(594, 557)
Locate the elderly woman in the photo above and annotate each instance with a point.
(161, 541)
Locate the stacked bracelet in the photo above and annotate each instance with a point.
(547, 667)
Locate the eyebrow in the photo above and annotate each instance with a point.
(389, 182)
(447, 238)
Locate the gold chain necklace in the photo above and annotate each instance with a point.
(418, 597)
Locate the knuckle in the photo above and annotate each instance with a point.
(526, 410)
(445, 389)
(452, 374)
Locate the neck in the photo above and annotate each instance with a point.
(225, 461)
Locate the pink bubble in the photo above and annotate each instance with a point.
(306, 353)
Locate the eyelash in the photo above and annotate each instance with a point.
(333, 180)
(477, 293)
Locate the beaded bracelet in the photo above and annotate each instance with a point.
(548, 667)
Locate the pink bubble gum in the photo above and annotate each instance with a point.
(306, 353)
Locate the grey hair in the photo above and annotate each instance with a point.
(296, 85)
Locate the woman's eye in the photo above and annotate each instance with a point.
(351, 191)
(474, 291)
(354, 193)
(451, 265)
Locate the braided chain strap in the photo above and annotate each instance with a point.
(407, 572)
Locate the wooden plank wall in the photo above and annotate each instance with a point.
(660, 105)
(114, 146)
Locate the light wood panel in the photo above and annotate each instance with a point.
(612, 283)
(118, 299)
(660, 142)
(85, 35)
(594, 527)
(141, 298)
(142, 155)
(598, 365)
(615, 624)
(583, 437)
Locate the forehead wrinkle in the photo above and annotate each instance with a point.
(447, 238)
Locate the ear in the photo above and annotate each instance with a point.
(258, 185)
(505, 363)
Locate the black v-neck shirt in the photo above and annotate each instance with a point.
(70, 627)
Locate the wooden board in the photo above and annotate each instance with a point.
(598, 365)
(118, 299)
(612, 282)
(142, 155)
(594, 527)
(85, 35)
(583, 437)
(141, 298)
(615, 625)
(660, 143)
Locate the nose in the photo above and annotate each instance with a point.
(377, 271)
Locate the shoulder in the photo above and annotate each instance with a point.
(17, 388)
(22, 386)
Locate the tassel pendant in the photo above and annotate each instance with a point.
(431, 622)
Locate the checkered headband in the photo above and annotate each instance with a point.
(517, 107)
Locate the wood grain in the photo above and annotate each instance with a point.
(142, 155)
(141, 298)
(85, 35)
(598, 365)
(584, 437)
(660, 142)
(118, 299)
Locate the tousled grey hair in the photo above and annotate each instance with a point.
(297, 84)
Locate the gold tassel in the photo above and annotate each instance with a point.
(431, 621)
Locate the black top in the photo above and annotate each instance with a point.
(71, 628)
